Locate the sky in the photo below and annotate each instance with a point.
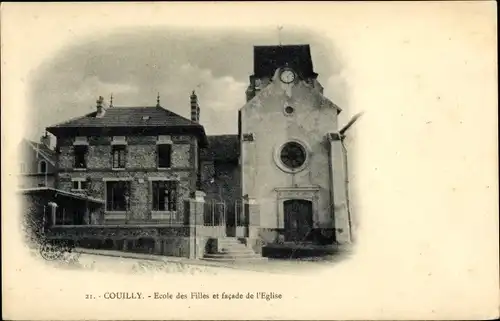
(135, 65)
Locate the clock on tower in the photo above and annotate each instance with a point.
(287, 76)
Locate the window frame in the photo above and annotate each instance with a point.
(80, 182)
(284, 167)
(121, 151)
(77, 149)
(107, 194)
(63, 218)
(158, 157)
(22, 168)
(173, 205)
(40, 167)
(288, 162)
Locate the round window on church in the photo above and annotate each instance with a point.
(293, 155)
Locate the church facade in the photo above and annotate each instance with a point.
(169, 188)
(291, 158)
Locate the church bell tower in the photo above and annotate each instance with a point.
(294, 60)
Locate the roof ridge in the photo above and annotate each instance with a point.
(41, 152)
(72, 119)
(175, 114)
(117, 107)
(150, 118)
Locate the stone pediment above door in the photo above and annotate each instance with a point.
(307, 193)
(302, 192)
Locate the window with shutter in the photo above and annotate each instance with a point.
(119, 156)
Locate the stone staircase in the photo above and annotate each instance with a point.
(232, 249)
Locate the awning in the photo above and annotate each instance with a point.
(53, 193)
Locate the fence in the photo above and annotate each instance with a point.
(223, 213)
(214, 213)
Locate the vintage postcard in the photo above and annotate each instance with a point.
(239, 161)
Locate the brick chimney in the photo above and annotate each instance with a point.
(45, 140)
(195, 108)
(100, 108)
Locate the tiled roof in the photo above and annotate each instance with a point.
(44, 148)
(52, 192)
(269, 58)
(129, 117)
(46, 152)
(223, 148)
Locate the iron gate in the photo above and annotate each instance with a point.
(230, 215)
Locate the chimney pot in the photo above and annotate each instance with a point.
(100, 108)
(195, 108)
(45, 140)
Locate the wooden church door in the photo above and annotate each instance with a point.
(298, 219)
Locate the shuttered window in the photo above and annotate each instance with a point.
(119, 156)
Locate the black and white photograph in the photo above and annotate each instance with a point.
(152, 147)
(262, 176)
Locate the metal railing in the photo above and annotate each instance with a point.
(224, 213)
(214, 213)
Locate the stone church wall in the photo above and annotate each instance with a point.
(265, 118)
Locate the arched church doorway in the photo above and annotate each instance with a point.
(298, 219)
